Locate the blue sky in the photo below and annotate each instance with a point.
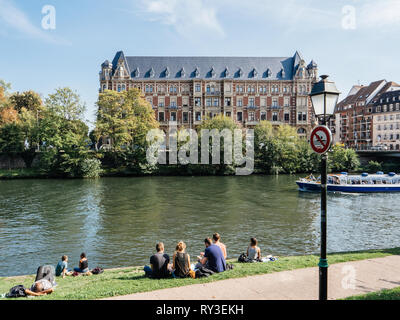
(351, 40)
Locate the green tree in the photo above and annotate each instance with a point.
(342, 159)
(124, 119)
(66, 103)
(28, 100)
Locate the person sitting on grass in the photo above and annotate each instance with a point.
(83, 264)
(213, 257)
(159, 263)
(181, 261)
(217, 242)
(62, 267)
(253, 251)
(44, 282)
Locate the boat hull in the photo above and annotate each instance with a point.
(315, 187)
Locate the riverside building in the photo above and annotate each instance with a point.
(355, 121)
(186, 90)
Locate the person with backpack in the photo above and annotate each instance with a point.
(83, 264)
(253, 251)
(44, 282)
(213, 258)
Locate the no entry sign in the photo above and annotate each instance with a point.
(321, 139)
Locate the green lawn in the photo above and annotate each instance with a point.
(389, 294)
(20, 174)
(131, 280)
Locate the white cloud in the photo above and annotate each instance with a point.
(188, 17)
(16, 19)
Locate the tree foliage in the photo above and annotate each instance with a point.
(66, 103)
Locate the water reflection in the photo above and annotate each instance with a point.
(117, 221)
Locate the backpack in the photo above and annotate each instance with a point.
(16, 292)
(243, 258)
(229, 266)
(97, 270)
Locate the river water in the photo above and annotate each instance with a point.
(117, 221)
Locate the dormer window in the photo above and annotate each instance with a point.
(151, 73)
(226, 72)
(182, 73)
(283, 73)
(136, 73)
(196, 72)
(212, 72)
(240, 72)
(166, 72)
(254, 73)
(269, 73)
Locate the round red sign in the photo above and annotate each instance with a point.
(321, 139)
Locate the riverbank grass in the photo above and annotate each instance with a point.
(387, 294)
(115, 282)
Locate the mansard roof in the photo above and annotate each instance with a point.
(271, 68)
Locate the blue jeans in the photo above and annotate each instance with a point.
(76, 269)
(148, 271)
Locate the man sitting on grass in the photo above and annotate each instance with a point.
(159, 264)
(62, 267)
(213, 258)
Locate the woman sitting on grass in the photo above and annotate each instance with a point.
(253, 251)
(83, 264)
(181, 261)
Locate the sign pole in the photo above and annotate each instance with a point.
(323, 262)
(321, 140)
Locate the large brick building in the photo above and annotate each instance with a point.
(186, 90)
(353, 123)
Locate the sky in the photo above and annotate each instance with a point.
(49, 44)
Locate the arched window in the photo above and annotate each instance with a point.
(301, 131)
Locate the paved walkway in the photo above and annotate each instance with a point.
(301, 284)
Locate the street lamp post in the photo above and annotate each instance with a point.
(324, 97)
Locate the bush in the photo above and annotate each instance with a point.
(90, 168)
(374, 166)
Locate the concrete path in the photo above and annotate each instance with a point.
(345, 279)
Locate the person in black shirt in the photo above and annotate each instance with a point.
(159, 263)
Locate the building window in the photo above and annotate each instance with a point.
(185, 117)
(198, 116)
(240, 102)
(216, 102)
(173, 116)
(208, 102)
(239, 116)
(228, 114)
(198, 87)
(173, 103)
(287, 117)
(263, 116)
(197, 102)
(161, 116)
(274, 102)
(251, 102)
(227, 102)
(119, 88)
(185, 101)
(252, 116)
(208, 89)
(275, 116)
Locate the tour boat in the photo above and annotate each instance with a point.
(363, 183)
